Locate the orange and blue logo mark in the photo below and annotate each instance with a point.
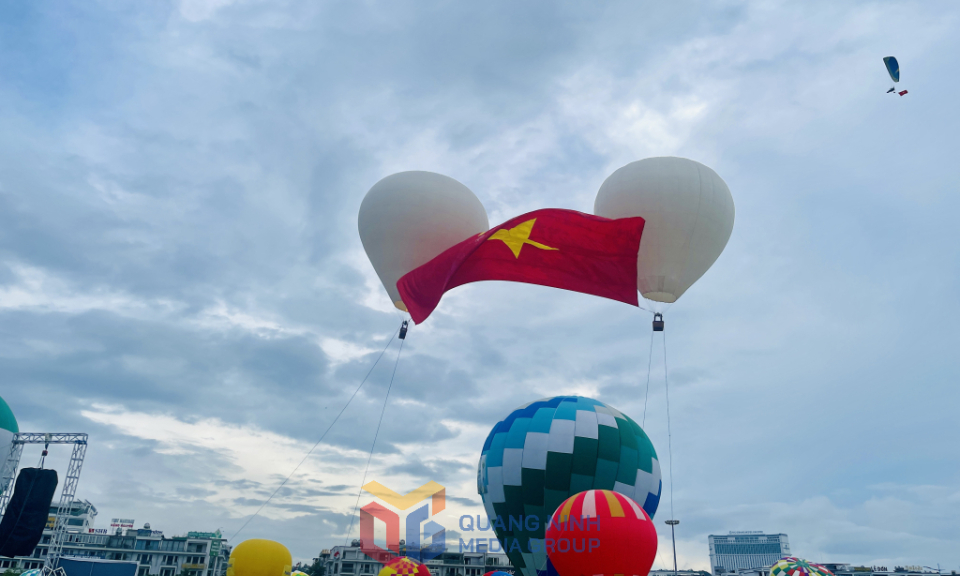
(435, 496)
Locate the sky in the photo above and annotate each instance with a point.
(181, 275)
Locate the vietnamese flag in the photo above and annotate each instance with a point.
(551, 247)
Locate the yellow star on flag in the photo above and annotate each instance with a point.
(517, 236)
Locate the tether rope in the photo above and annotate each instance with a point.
(374, 444)
(646, 393)
(285, 480)
(666, 385)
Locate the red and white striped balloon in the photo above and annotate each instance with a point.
(601, 533)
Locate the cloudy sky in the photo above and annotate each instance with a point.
(181, 275)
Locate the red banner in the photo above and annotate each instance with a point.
(551, 247)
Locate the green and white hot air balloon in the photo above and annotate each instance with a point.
(549, 450)
(8, 427)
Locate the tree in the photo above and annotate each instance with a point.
(315, 569)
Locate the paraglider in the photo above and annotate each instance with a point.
(257, 557)
(601, 533)
(689, 216)
(549, 450)
(893, 68)
(8, 427)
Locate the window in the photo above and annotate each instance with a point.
(347, 568)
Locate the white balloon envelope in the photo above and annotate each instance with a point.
(689, 216)
(409, 218)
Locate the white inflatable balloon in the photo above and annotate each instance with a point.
(409, 218)
(689, 216)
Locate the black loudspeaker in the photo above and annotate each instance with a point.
(27, 512)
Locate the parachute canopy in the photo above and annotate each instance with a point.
(549, 450)
(893, 67)
(689, 215)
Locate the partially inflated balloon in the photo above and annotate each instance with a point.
(601, 533)
(409, 218)
(792, 566)
(8, 427)
(403, 566)
(545, 452)
(689, 216)
(259, 558)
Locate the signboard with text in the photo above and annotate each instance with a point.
(121, 522)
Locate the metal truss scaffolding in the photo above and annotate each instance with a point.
(8, 473)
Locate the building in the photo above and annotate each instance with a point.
(194, 554)
(844, 569)
(739, 551)
(353, 560)
(82, 515)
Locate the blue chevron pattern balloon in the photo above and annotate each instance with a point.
(549, 450)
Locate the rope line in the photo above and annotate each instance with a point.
(666, 385)
(324, 435)
(383, 410)
(646, 393)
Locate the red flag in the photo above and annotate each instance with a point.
(551, 247)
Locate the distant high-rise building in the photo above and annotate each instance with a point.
(745, 550)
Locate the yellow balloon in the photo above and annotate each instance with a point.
(259, 558)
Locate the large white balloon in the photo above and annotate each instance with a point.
(689, 216)
(409, 218)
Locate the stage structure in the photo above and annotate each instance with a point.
(8, 474)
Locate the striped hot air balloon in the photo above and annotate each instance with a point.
(545, 452)
(601, 533)
(793, 566)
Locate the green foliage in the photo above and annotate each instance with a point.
(315, 569)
